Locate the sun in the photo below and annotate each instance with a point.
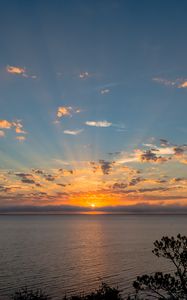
(93, 205)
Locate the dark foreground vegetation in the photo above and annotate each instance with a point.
(155, 286)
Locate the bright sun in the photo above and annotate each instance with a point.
(93, 205)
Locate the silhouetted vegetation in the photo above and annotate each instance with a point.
(155, 286)
(166, 286)
(105, 292)
(27, 294)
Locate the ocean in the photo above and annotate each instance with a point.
(73, 253)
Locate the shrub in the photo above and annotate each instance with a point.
(27, 294)
(166, 286)
(105, 292)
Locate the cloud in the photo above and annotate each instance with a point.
(21, 138)
(18, 127)
(106, 166)
(64, 111)
(155, 154)
(27, 180)
(73, 132)
(98, 123)
(102, 165)
(65, 171)
(153, 189)
(183, 85)
(62, 184)
(14, 125)
(49, 177)
(150, 156)
(15, 70)
(19, 71)
(95, 166)
(177, 83)
(127, 158)
(135, 181)
(84, 75)
(179, 150)
(140, 208)
(114, 153)
(164, 142)
(104, 91)
(2, 134)
(24, 175)
(5, 124)
(38, 171)
(120, 186)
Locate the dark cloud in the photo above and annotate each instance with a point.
(179, 150)
(141, 208)
(150, 156)
(27, 180)
(161, 180)
(49, 177)
(4, 189)
(178, 179)
(114, 153)
(61, 184)
(65, 171)
(94, 166)
(164, 142)
(153, 189)
(135, 181)
(106, 166)
(132, 182)
(38, 171)
(119, 185)
(24, 175)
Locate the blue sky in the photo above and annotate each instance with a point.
(119, 70)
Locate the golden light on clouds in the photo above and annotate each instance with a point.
(15, 70)
(5, 124)
(183, 85)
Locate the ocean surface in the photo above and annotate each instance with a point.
(70, 253)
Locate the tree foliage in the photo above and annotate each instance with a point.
(166, 286)
(28, 294)
(105, 292)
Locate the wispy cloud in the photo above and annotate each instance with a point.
(103, 123)
(5, 124)
(106, 166)
(73, 132)
(19, 71)
(65, 111)
(84, 75)
(15, 70)
(177, 83)
(16, 125)
(183, 84)
(2, 134)
(104, 91)
(21, 138)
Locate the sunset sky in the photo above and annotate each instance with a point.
(93, 105)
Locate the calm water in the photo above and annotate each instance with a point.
(69, 253)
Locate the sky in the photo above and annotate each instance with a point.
(93, 102)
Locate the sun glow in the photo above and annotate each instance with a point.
(93, 205)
